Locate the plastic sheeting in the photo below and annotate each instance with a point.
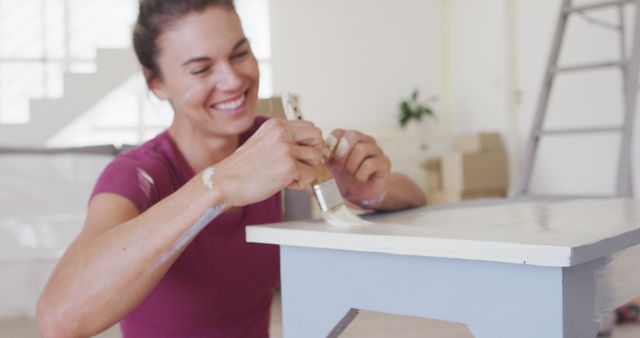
(617, 281)
(43, 199)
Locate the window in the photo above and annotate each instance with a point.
(63, 36)
(40, 40)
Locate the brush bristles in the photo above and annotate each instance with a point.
(341, 216)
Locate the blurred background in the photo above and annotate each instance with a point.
(72, 94)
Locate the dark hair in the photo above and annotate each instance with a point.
(154, 17)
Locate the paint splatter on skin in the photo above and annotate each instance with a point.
(194, 230)
(207, 177)
(188, 95)
(374, 202)
(191, 233)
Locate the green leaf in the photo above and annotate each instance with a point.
(404, 107)
(404, 120)
(411, 109)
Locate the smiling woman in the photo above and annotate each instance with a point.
(163, 248)
(207, 51)
(156, 274)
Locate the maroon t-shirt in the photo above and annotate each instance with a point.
(220, 286)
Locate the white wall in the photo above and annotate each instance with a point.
(480, 70)
(494, 61)
(353, 61)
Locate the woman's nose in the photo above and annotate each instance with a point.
(228, 78)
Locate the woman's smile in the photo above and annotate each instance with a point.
(233, 106)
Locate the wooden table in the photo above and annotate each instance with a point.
(507, 269)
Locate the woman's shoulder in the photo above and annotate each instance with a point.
(148, 150)
(157, 156)
(141, 173)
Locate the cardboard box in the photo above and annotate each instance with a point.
(478, 142)
(477, 168)
(433, 168)
(475, 172)
(447, 197)
(271, 106)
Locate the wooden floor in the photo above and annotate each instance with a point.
(367, 324)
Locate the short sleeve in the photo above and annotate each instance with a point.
(260, 119)
(125, 177)
(257, 122)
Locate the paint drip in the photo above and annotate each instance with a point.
(191, 233)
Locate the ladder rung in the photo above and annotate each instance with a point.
(597, 6)
(588, 66)
(561, 197)
(580, 131)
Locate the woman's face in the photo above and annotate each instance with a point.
(208, 72)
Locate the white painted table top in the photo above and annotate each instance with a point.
(538, 233)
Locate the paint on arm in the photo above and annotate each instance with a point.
(209, 215)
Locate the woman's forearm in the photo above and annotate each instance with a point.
(403, 193)
(104, 275)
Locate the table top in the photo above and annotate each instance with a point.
(556, 234)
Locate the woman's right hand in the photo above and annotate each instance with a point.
(280, 154)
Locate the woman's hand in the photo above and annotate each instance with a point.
(360, 167)
(280, 154)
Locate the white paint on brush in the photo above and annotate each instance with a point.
(341, 216)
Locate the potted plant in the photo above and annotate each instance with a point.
(412, 110)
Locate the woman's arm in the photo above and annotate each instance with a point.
(121, 255)
(402, 193)
(116, 260)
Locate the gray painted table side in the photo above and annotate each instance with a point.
(526, 269)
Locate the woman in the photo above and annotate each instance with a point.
(139, 260)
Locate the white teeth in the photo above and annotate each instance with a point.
(231, 104)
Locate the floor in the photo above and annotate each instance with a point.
(367, 324)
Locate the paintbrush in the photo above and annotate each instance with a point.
(325, 188)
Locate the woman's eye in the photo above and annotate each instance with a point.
(240, 55)
(200, 70)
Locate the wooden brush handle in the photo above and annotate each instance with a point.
(291, 107)
(323, 174)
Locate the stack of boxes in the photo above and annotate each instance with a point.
(477, 168)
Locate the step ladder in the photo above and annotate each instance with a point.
(629, 66)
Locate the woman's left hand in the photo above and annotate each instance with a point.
(360, 167)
